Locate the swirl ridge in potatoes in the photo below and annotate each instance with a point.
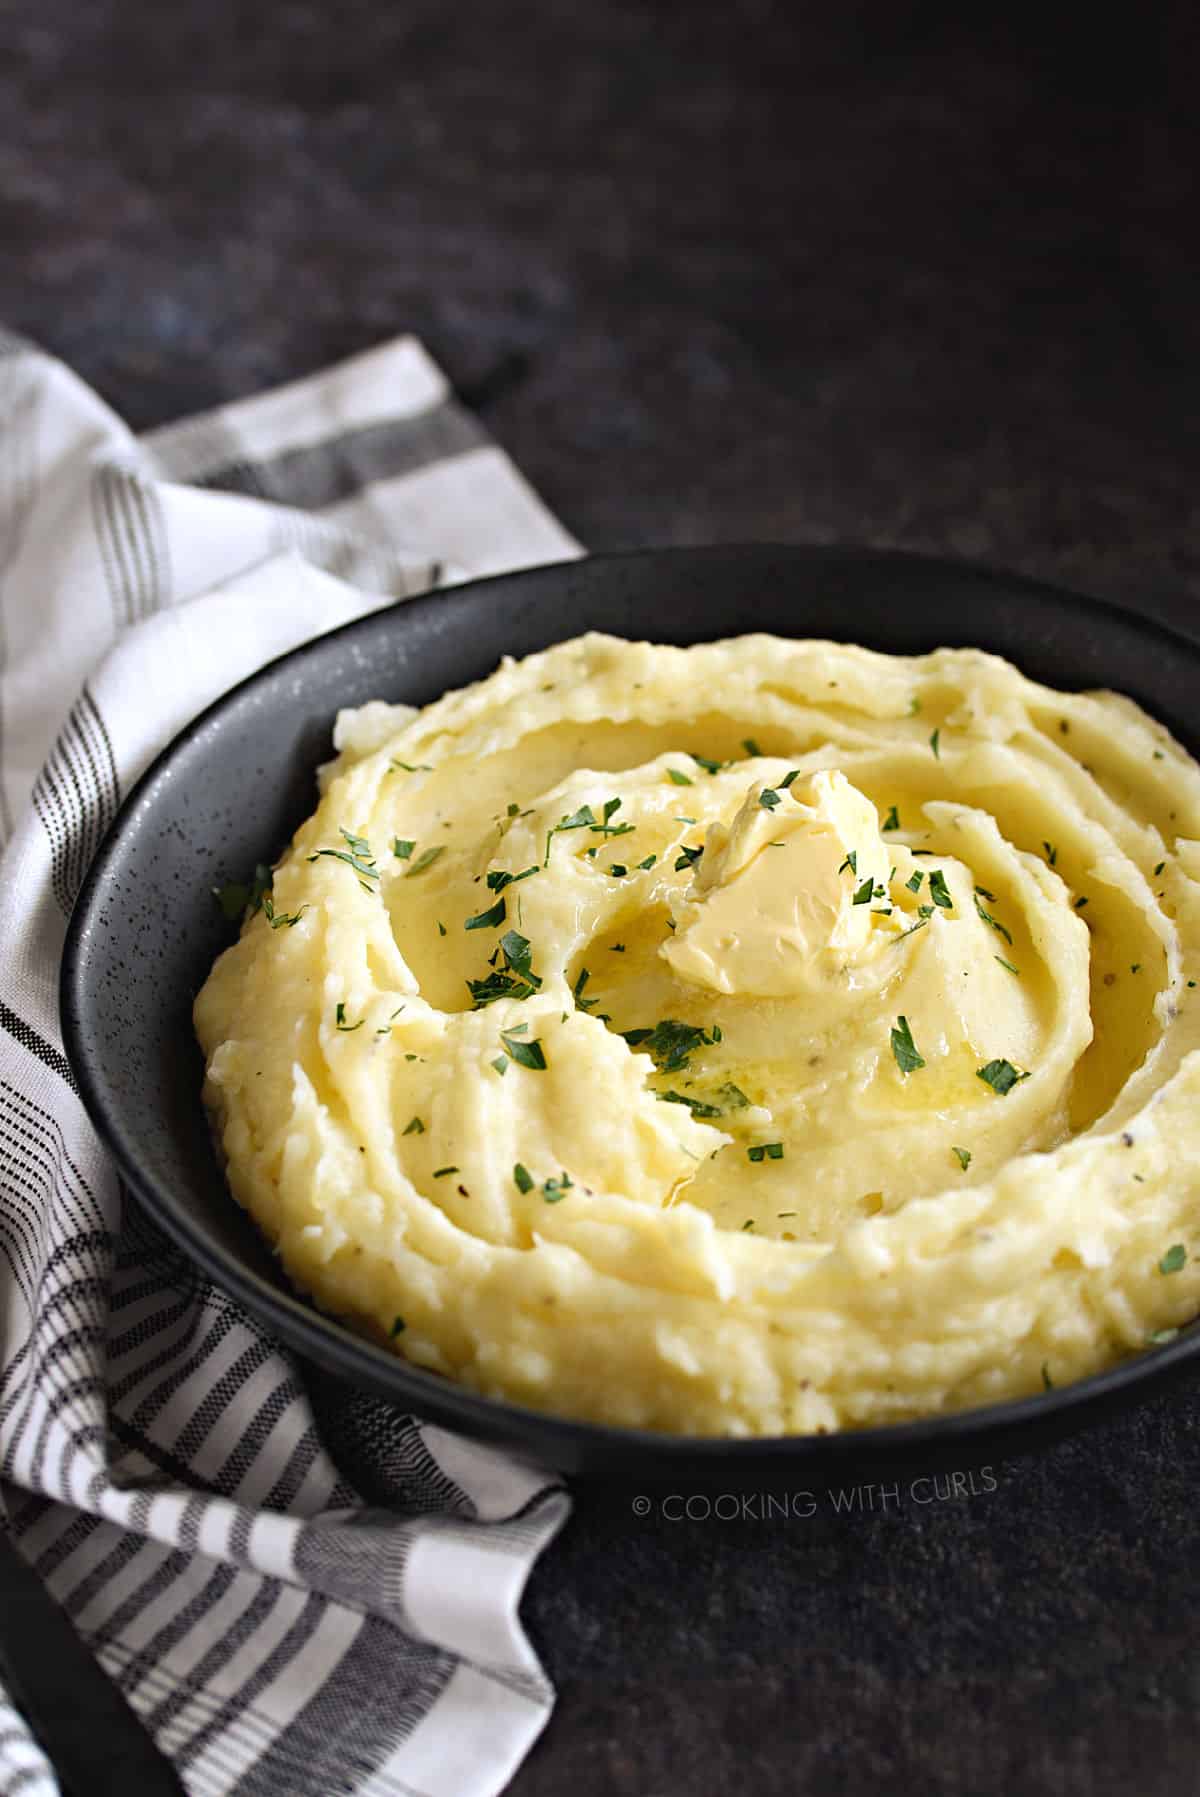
(755, 1038)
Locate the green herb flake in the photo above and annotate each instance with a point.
(279, 920)
(500, 1064)
(914, 883)
(397, 1327)
(1174, 1260)
(994, 922)
(904, 1048)
(554, 1190)
(442, 1172)
(1080, 903)
(892, 820)
(1047, 1381)
(356, 855)
(670, 1043)
(772, 1151)
(751, 747)
(425, 859)
(687, 857)
(850, 862)
(914, 706)
(441, 927)
(499, 877)
(1159, 869)
(1051, 854)
(410, 767)
(1161, 1337)
(647, 863)
(402, 847)
(768, 798)
(340, 1018)
(415, 1128)
(522, 1178)
(1008, 965)
(695, 1105)
(792, 774)
(934, 742)
(963, 1156)
(710, 767)
(525, 1054)
(1001, 1076)
(513, 809)
(678, 778)
(865, 893)
(734, 1098)
(939, 892)
(490, 919)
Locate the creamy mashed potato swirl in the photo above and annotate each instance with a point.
(755, 1038)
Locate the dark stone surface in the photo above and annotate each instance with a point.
(724, 271)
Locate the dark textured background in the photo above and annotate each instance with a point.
(880, 274)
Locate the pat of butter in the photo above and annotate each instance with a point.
(772, 898)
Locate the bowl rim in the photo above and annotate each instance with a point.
(334, 1344)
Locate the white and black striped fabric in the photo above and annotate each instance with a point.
(300, 1591)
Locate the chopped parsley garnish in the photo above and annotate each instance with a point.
(750, 746)
(441, 1172)
(892, 820)
(850, 862)
(1001, 1076)
(522, 1178)
(771, 1151)
(1047, 1381)
(606, 827)
(499, 878)
(934, 741)
(695, 1105)
(618, 870)
(415, 1128)
(671, 1044)
(1051, 854)
(904, 1048)
(585, 819)
(994, 922)
(234, 898)
(1159, 869)
(501, 1064)
(913, 927)
(1080, 903)
(577, 990)
(441, 927)
(410, 767)
(687, 857)
(279, 919)
(1135, 967)
(963, 1156)
(340, 1017)
(792, 774)
(516, 979)
(735, 1098)
(616, 948)
(555, 1189)
(710, 767)
(402, 847)
(939, 892)
(397, 1327)
(914, 706)
(1161, 1337)
(513, 809)
(489, 919)
(525, 1054)
(748, 1224)
(866, 892)
(914, 883)
(678, 778)
(648, 862)
(768, 798)
(984, 893)
(1174, 1260)
(424, 860)
(357, 855)
(1007, 964)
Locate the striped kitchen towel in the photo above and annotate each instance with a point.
(300, 1591)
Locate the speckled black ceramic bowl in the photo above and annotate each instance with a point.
(231, 789)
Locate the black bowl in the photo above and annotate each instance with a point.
(231, 789)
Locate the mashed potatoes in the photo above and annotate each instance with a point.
(766, 1036)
